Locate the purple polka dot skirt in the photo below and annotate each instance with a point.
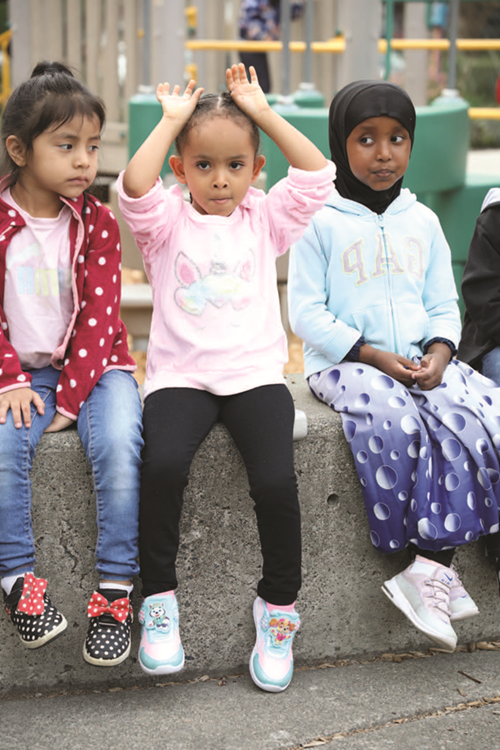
(427, 461)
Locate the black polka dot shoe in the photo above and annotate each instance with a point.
(108, 637)
(32, 613)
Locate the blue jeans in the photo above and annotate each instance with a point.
(109, 426)
(491, 365)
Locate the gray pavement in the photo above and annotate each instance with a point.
(423, 703)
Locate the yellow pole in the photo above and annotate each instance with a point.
(337, 45)
(4, 44)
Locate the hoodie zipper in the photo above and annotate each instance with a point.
(381, 223)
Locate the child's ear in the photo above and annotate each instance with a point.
(258, 165)
(177, 168)
(16, 150)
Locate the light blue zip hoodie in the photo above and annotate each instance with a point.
(388, 278)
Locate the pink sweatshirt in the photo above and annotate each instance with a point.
(216, 319)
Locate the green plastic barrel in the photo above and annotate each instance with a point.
(308, 97)
(439, 157)
(144, 111)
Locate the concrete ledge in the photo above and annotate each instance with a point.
(343, 610)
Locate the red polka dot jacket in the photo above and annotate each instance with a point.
(96, 339)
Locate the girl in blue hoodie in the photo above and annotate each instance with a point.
(372, 296)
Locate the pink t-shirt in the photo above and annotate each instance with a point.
(216, 318)
(38, 299)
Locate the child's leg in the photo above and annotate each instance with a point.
(388, 442)
(261, 423)
(26, 600)
(426, 460)
(109, 425)
(176, 421)
(491, 364)
(17, 449)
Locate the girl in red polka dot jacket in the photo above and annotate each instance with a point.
(63, 353)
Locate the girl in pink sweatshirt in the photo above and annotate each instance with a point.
(217, 346)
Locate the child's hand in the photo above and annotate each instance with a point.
(175, 107)
(60, 422)
(19, 401)
(395, 365)
(432, 366)
(248, 95)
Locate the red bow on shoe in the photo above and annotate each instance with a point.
(31, 601)
(99, 605)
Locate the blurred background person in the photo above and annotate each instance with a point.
(259, 20)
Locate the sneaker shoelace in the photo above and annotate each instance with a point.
(440, 592)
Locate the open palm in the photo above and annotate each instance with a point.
(248, 95)
(176, 106)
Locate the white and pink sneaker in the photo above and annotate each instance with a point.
(462, 604)
(160, 649)
(271, 663)
(422, 593)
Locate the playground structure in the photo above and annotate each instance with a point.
(334, 524)
(128, 55)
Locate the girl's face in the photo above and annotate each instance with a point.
(218, 164)
(378, 150)
(61, 162)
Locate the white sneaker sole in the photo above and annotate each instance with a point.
(470, 611)
(55, 633)
(394, 593)
(162, 668)
(105, 662)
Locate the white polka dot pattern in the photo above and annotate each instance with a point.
(32, 613)
(108, 638)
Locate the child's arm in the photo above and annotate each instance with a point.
(145, 166)
(60, 422)
(295, 147)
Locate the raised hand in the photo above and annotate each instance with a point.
(177, 107)
(145, 165)
(248, 95)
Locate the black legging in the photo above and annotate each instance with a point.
(176, 421)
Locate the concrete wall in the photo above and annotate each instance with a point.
(344, 612)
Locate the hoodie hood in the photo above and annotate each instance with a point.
(492, 196)
(405, 200)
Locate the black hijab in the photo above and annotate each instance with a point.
(354, 103)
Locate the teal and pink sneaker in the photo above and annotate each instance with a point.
(271, 663)
(160, 649)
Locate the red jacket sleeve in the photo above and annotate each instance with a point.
(98, 339)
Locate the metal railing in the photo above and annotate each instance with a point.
(337, 45)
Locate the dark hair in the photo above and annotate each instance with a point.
(48, 99)
(218, 105)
